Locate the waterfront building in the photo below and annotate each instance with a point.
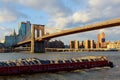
(104, 45)
(55, 44)
(87, 44)
(81, 44)
(113, 45)
(101, 37)
(92, 44)
(97, 44)
(101, 41)
(11, 40)
(74, 44)
(118, 42)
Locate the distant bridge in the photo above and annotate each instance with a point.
(37, 44)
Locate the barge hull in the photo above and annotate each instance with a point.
(30, 69)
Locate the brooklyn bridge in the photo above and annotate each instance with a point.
(37, 41)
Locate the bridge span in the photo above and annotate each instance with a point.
(95, 26)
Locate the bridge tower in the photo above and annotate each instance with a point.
(37, 46)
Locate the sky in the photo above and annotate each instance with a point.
(58, 15)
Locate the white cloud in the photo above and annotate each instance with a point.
(4, 31)
(52, 7)
(52, 30)
(80, 17)
(101, 4)
(112, 31)
(6, 15)
(9, 15)
(104, 8)
(2, 28)
(98, 10)
(62, 16)
(61, 22)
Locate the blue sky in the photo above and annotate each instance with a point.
(58, 15)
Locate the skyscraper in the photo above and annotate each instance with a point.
(101, 37)
(24, 30)
(101, 41)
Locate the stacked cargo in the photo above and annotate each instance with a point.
(36, 61)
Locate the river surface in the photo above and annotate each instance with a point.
(91, 74)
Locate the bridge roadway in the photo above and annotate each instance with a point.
(95, 26)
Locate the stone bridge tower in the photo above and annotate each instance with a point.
(37, 46)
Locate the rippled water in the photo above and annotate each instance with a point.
(91, 74)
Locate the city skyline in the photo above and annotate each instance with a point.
(101, 43)
(60, 15)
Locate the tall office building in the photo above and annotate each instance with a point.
(101, 37)
(24, 30)
(101, 41)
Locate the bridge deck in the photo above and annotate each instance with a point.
(95, 26)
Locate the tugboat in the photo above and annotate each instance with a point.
(36, 65)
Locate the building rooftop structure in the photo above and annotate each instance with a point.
(13, 33)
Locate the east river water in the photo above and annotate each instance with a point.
(90, 74)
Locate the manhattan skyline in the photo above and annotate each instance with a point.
(60, 15)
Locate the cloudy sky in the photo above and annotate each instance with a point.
(59, 15)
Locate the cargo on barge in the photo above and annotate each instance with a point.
(35, 65)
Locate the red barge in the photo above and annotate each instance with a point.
(35, 65)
